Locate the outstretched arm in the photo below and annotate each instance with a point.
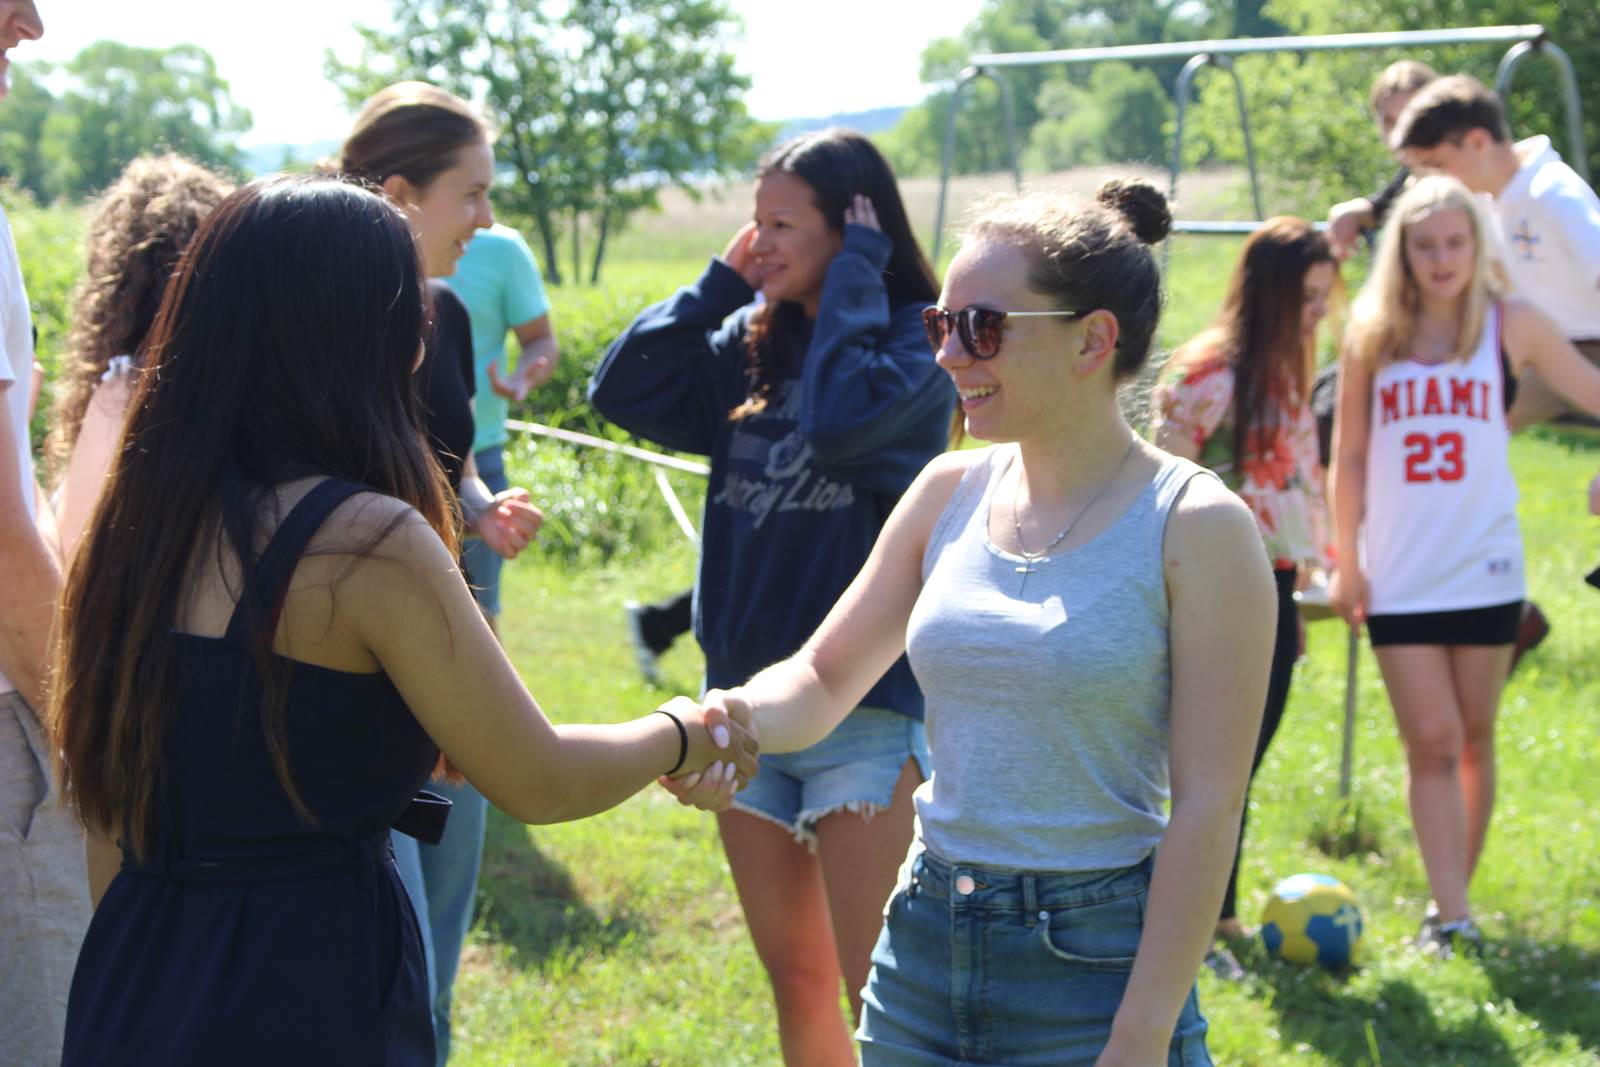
(409, 607)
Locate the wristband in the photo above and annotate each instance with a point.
(683, 739)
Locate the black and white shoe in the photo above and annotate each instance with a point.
(643, 654)
(1449, 940)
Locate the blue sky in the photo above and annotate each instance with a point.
(827, 56)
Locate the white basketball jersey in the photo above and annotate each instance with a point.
(1441, 528)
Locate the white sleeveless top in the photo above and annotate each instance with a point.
(1441, 528)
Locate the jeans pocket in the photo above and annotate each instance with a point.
(1103, 935)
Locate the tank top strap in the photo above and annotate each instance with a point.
(262, 596)
(967, 505)
(1166, 487)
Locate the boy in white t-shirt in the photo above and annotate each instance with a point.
(1549, 218)
(44, 894)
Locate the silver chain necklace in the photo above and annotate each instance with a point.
(1030, 559)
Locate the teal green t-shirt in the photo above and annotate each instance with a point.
(499, 282)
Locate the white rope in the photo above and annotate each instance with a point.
(572, 437)
(689, 466)
(676, 507)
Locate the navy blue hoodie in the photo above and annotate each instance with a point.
(799, 491)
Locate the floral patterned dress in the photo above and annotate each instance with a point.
(1279, 477)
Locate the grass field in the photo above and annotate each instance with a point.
(618, 940)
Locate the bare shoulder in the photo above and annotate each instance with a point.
(1522, 318)
(944, 472)
(1211, 527)
(931, 492)
(370, 537)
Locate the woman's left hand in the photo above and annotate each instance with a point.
(862, 213)
(1594, 496)
(508, 524)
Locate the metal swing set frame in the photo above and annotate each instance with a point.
(1524, 40)
(1218, 54)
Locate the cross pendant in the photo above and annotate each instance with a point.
(1026, 568)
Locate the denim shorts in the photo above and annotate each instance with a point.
(980, 965)
(855, 768)
(483, 562)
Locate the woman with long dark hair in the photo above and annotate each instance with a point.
(1237, 400)
(265, 644)
(817, 407)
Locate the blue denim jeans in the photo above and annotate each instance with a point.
(981, 965)
(483, 562)
(442, 880)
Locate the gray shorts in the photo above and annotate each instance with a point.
(44, 892)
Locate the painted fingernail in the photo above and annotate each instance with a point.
(719, 735)
(692, 781)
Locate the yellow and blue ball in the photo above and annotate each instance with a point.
(1312, 918)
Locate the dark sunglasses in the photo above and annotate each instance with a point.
(979, 328)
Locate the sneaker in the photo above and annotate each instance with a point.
(1450, 940)
(1533, 629)
(1222, 963)
(1460, 938)
(643, 654)
(1427, 932)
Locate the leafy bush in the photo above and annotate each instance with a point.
(598, 505)
(1120, 116)
(50, 248)
(587, 319)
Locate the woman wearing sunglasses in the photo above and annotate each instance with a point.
(817, 406)
(1237, 399)
(1090, 620)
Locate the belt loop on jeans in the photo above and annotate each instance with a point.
(1030, 898)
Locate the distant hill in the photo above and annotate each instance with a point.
(270, 158)
(875, 120)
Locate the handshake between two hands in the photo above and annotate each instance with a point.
(722, 749)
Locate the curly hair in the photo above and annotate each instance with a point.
(137, 232)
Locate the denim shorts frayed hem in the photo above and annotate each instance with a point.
(853, 769)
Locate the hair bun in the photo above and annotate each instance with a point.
(1141, 203)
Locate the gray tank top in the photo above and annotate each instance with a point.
(1047, 713)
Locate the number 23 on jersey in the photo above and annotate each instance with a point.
(1435, 457)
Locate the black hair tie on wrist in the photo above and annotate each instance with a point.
(683, 739)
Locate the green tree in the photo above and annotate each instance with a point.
(121, 101)
(24, 157)
(1122, 115)
(1039, 93)
(599, 106)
